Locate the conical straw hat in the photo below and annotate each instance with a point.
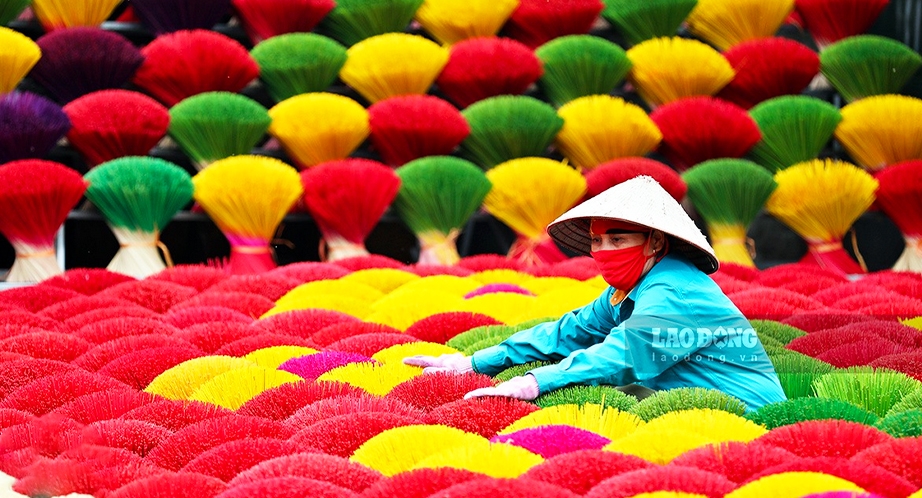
(642, 201)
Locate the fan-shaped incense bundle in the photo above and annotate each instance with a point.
(284, 401)
(99, 356)
(36, 196)
(882, 130)
(865, 65)
(480, 68)
(115, 123)
(728, 194)
(393, 64)
(154, 295)
(78, 61)
(767, 68)
(376, 379)
(321, 472)
(356, 306)
(195, 276)
(508, 127)
(900, 197)
(420, 482)
(234, 388)
(897, 455)
(443, 326)
(175, 414)
(18, 54)
(306, 294)
(611, 173)
(413, 126)
(911, 401)
(599, 465)
(609, 422)
(29, 126)
(536, 22)
(641, 21)
(18, 373)
(172, 484)
(337, 332)
(57, 346)
(697, 129)
(797, 410)
(832, 20)
(581, 65)
(214, 125)
(264, 20)
(398, 312)
(298, 63)
(527, 195)
(489, 333)
(352, 21)
(854, 383)
(725, 23)
(185, 444)
(319, 127)
(437, 196)
(53, 14)
(504, 462)
(138, 196)
(185, 63)
(400, 449)
(138, 368)
(689, 398)
(451, 21)
(11, 9)
(605, 395)
(346, 199)
(230, 459)
(778, 331)
(247, 197)
(902, 424)
(794, 129)
(688, 429)
(254, 305)
(820, 200)
(600, 128)
(667, 69)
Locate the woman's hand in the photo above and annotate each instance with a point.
(450, 363)
(524, 388)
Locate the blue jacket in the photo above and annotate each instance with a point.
(676, 328)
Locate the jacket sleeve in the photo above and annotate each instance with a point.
(576, 330)
(638, 349)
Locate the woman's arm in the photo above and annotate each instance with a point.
(636, 350)
(576, 330)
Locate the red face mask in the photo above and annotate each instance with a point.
(622, 268)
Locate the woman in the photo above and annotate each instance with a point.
(662, 323)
